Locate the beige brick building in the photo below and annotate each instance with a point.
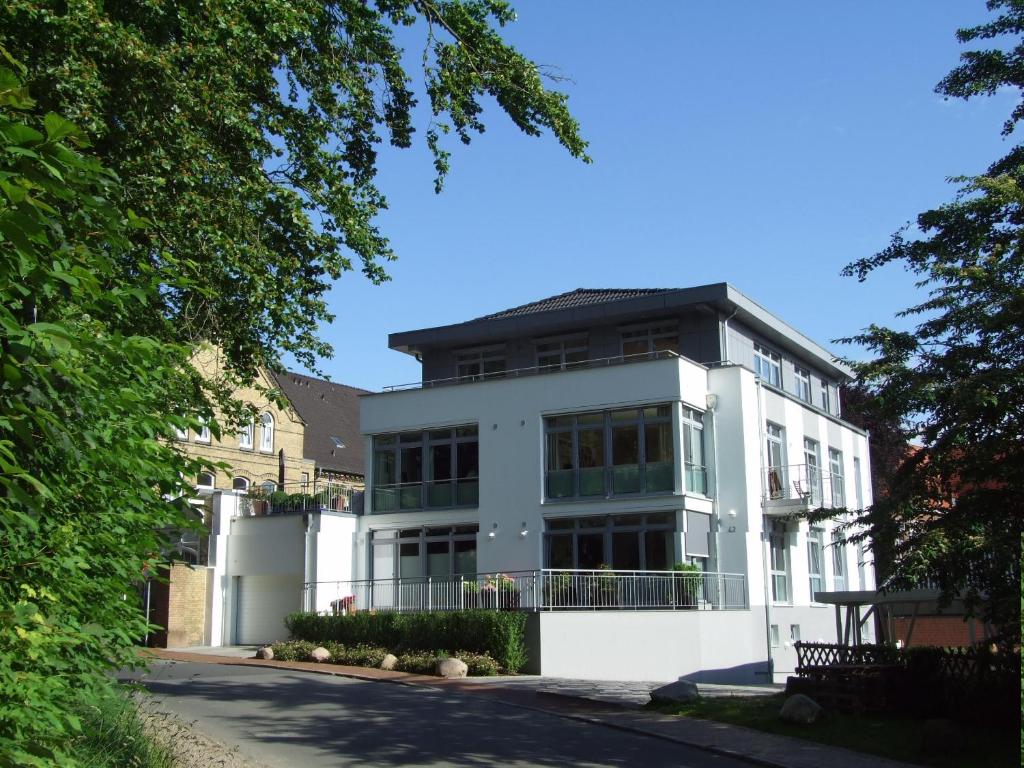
(268, 452)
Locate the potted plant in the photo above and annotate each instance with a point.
(686, 588)
(501, 591)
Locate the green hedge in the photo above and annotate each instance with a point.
(499, 634)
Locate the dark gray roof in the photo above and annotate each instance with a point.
(331, 414)
(581, 297)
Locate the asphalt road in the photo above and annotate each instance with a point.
(289, 719)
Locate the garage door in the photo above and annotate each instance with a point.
(262, 602)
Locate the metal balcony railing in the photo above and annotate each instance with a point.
(543, 590)
(804, 483)
(318, 497)
(512, 373)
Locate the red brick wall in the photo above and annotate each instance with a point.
(944, 631)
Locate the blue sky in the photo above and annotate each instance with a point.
(762, 144)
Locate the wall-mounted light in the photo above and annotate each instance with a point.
(523, 532)
(712, 401)
(491, 534)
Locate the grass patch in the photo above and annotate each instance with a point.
(892, 737)
(113, 736)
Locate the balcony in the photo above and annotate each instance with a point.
(430, 494)
(324, 497)
(543, 590)
(799, 488)
(536, 370)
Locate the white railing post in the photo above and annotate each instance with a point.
(430, 594)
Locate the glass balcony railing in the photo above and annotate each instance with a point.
(432, 494)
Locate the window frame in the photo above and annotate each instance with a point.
(246, 483)
(404, 497)
(574, 527)
(838, 561)
(481, 357)
(802, 383)
(812, 469)
(553, 424)
(267, 435)
(247, 435)
(563, 348)
(649, 334)
(825, 396)
(767, 360)
(693, 420)
(212, 485)
(393, 538)
(778, 545)
(815, 549)
(203, 434)
(837, 479)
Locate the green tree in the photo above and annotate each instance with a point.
(85, 481)
(248, 133)
(956, 382)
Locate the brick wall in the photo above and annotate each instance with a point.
(180, 607)
(943, 631)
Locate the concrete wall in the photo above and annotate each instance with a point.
(267, 546)
(703, 646)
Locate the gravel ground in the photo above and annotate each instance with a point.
(192, 748)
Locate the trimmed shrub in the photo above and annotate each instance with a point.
(498, 634)
(295, 651)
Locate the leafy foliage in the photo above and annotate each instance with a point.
(84, 481)
(953, 509)
(499, 634)
(420, 662)
(249, 133)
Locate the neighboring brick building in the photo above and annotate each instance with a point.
(268, 452)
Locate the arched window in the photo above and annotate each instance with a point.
(240, 484)
(268, 486)
(267, 433)
(245, 436)
(205, 480)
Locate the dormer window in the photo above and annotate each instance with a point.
(267, 433)
(768, 365)
(650, 339)
(480, 363)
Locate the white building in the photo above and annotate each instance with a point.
(585, 444)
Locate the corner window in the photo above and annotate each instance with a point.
(559, 355)
(432, 469)
(480, 364)
(779, 563)
(245, 436)
(609, 453)
(768, 365)
(802, 378)
(650, 340)
(815, 561)
(693, 451)
(267, 433)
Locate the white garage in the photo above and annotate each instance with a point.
(261, 604)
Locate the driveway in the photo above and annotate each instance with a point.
(285, 718)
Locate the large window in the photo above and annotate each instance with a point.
(693, 450)
(816, 560)
(564, 353)
(418, 553)
(624, 542)
(480, 363)
(650, 339)
(825, 398)
(838, 561)
(768, 365)
(609, 453)
(802, 378)
(835, 468)
(432, 469)
(779, 562)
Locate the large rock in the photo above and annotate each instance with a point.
(679, 692)
(451, 668)
(320, 655)
(265, 652)
(801, 709)
(389, 662)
